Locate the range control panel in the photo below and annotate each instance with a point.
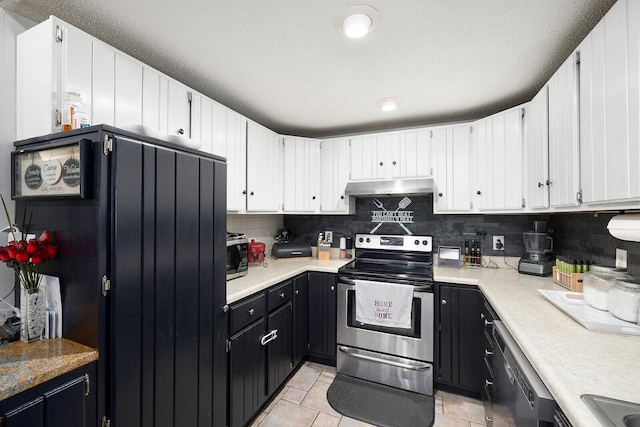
(394, 242)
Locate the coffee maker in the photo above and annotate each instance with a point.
(538, 245)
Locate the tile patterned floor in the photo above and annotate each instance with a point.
(302, 402)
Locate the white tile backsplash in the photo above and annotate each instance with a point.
(262, 228)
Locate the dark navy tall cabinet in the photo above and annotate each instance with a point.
(142, 262)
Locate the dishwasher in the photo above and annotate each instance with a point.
(520, 397)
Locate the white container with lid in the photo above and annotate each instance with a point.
(624, 300)
(596, 283)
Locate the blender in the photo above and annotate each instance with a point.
(538, 246)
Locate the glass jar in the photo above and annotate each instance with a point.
(596, 283)
(624, 300)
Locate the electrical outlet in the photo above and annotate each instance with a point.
(621, 258)
(498, 243)
(328, 236)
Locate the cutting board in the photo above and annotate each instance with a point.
(572, 304)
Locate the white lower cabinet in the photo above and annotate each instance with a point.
(497, 161)
(301, 189)
(264, 169)
(610, 108)
(452, 146)
(334, 175)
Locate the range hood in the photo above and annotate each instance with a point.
(407, 186)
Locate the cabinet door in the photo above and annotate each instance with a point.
(460, 336)
(205, 124)
(497, 183)
(368, 156)
(536, 151)
(219, 129)
(452, 146)
(411, 154)
(247, 373)
(151, 98)
(335, 163)
(322, 316)
(65, 406)
(236, 161)
(264, 169)
(300, 318)
(128, 91)
(178, 109)
(564, 172)
(280, 350)
(301, 175)
(609, 98)
(103, 84)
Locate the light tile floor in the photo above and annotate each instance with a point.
(302, 402)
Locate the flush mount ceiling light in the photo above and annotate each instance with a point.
(388, 104)
(357, 21)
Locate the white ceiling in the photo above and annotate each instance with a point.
(284, 64)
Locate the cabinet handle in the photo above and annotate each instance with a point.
(251, 311)
(540, 184)
(297, 291)
(439, 194)
(487, 323)
(381, 163)
(180, 131)
(87, 382)
(341, 197)
(244, 192)
(395, 163)
(549, 182)
(332, 288)
(481, 315)
(225, 308)
(487, 352)
(58, 118)
(251, 194)
(443, 302)
(490, 420)
(281, 294)
(269, 337)
(488, 383)
(478, 192)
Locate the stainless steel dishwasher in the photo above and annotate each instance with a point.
(520, 397)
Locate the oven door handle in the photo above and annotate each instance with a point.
(416, 288)
(417, 367)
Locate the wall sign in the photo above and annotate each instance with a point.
(397, 215)
(53, 172)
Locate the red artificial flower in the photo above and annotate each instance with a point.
(32, 248)
(12, 251)
(4, 255)
(45, 237)
(22, 256)
(35, 259)
(52, 251)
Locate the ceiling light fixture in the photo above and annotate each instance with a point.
(356, 25)
(357, 21)
(388, 104)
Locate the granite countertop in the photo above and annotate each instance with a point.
(569, 359)
(23, 366)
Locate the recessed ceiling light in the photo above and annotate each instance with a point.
(356, 25)
(357, 21)
(388, 104)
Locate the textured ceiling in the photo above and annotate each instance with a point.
(284, 64)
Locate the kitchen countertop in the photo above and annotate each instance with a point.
(23, 366)
(569, 359)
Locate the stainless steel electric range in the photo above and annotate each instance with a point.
(397, 356)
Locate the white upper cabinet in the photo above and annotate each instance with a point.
(497, 161)
(536, 151)
(411, 154)
(52, 58)
(178, 109)
(334, 175)
(128, 91)
(404, 154)
(236, 150)
(264, 169)
(609, 107)
(452, 146)
(564, 154)
(301, 175)
(219, 129)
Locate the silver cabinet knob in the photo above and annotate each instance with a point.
(281, 294)
(332, 287)
(251, 312)
(487, 352)
(443, 302)
(488, 383)
(297, 291)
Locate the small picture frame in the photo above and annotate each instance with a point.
(53, 172)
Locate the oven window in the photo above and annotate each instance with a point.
(414, 332)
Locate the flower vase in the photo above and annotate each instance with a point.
(33, 311)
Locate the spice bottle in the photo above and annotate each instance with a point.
(343, 248)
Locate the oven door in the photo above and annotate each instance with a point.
(415, 343)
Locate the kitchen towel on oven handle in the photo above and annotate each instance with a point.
(383, 304)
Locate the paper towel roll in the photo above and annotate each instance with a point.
(625, 227)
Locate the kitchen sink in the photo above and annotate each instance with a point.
(613, 412)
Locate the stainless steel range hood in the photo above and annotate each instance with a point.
(391, 187)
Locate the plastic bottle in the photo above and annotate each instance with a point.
(74, 115)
